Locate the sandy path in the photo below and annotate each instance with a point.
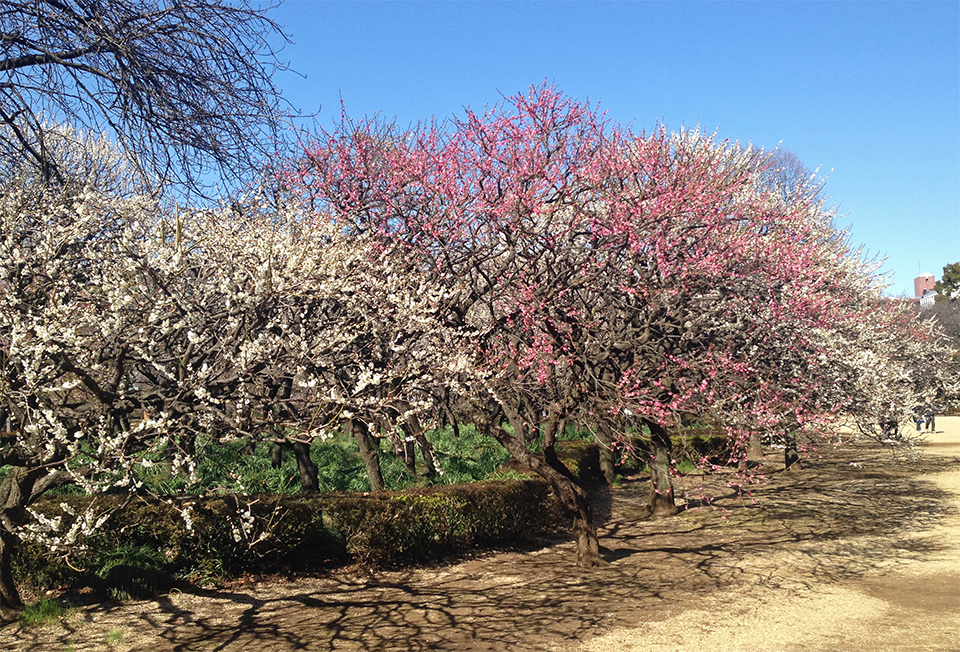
(903, 603)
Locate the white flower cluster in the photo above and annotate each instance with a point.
(131, 330)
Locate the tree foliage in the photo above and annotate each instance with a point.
(948, 287)
(610, 279)
(131, 330)
(524, 269)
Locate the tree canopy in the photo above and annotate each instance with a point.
(948, 287)
(523, 269)
(617, 280)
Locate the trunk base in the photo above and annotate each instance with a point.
(10, 602)
(662, 505)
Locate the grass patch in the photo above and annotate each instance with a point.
(45, 612)
(132, 571)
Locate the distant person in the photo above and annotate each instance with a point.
(930, 416)
(891, 430)
(918, 420)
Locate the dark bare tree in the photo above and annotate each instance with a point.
(183, 85)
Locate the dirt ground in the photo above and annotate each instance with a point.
(850, 553)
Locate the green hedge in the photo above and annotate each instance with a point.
(693, 445)
(148, 540)
(582, 457)
(390, 528)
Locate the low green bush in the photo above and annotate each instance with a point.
(391, 528)
(147, 545)
(582, 457)
(689, 448)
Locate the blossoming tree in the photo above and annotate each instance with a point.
(606, 279)
(133, 333)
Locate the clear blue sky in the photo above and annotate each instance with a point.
(867, 91)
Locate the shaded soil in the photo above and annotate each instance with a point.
(850, 553)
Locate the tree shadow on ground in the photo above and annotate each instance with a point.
(830, 522)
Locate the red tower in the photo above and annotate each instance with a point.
(923, 283)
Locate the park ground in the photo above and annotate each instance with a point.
(853, 552)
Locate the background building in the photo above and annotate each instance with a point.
(922, 284)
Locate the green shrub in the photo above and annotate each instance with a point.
(146, 545)
(698, 444)
(582, 457)
(689, 448)
(392, 528)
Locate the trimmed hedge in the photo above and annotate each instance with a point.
(582, 457)
(693, 445)
(234, 534)
(391, 528)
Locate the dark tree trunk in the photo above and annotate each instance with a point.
(605, 441)
(308, 471)
(791, 456)
(753, 454)
(584, 529)
(21, 487)
(662, 502)
(10, 601)
(410, 455)
(16, 492)
(755, 448)
(426, 449)
(607, 464)
(413, 431)
(369, 451)
(571, 494)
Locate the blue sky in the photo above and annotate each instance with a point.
(867, 91)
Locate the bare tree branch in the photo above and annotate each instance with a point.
(185, 85)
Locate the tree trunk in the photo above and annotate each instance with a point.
(429, 464)
(584, 529)
(605, 441)
(753, 454)
(15, 493)
(755, 448)
(410, 455)
(791, 457)
(369, 451)
(662, 502)
(21, 487)
(308, 471)
(413, 430)
(571, 494)
(10, 601)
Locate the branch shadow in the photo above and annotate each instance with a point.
(831, 522)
